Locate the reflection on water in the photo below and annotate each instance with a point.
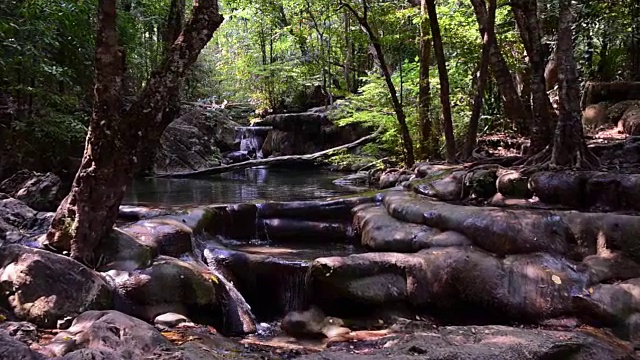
(236, 187)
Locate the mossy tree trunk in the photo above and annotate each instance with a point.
(88, 213)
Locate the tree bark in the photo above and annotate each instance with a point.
(148, 149)
(407, 142)
(87, 214)
(485, 29)
(450, 141)
(569, 147)
(515, 110)
(543, 116)
(427, 148)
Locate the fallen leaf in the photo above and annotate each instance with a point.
(2, 318)
(556, 279)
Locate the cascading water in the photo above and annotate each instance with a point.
(252, 138)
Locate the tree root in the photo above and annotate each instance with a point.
(582, 159)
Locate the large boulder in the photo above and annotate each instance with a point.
(165, 236)
(19, 222)
(114, 334)
(195, 141)
(304, 133)
(456, 280)
(168, 285)
(381, 232)
(43, 288)
(12, 349)
(493, 229)
(42, 192)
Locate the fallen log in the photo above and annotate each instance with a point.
(280, 160)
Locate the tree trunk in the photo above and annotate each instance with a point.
(88, 213)
(348, 53)
(515, 110)
(569, 147)
(485, 29)
(543, 116)
(427, 148)
(444, 80)
(148, 149)
(407, 142)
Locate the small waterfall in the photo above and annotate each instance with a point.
(252, 138)
(294, 289)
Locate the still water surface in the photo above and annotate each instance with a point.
(236, 187)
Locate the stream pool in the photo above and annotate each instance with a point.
(257, 184)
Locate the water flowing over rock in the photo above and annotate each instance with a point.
(195, 141)
(306, 133)
(252, 138)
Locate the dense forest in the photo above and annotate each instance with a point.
(289, 55)
(494, 151)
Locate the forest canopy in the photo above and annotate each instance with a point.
(285, 56)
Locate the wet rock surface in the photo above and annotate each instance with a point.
(229, 268)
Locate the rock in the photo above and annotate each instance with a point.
(306, 133)
(359, 179)
(233, 221)
(12, 349)
(612, 305)
(42, 192)
(166, 236)
(319, 210)
(120, 251)
(393, 177)
(513, 184)
(170, 320)
(22, 331)
(36, 298)
(480, 183)
(594, 116)
(611, 267)
(20, 223)
(195, 140)
(168, 285)
(92, 354)
(446, 185)
(563, 187)
(488, 343)
(381, 232)
(312, 323)
(630, 120)
(111, 331)
(493, 229)
(237, 156)
(135, 213)
(274, 286)
(299, 231)
(455, 280)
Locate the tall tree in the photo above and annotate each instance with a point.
(374, 38)
(569, 147)
(485, 30)
(543, 116)
(450, 141)
(427, 143)
(517, 111)
(88, 213)
(172, 30)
